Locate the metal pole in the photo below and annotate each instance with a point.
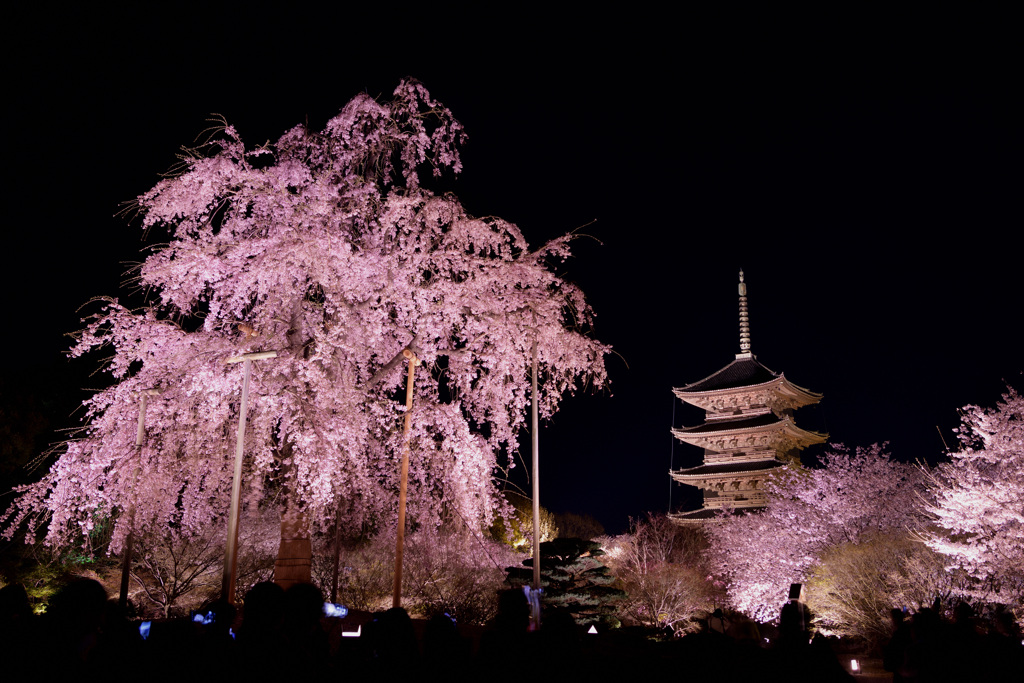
(126, 560)
(536, 472)
(404, 480)
(231, 552)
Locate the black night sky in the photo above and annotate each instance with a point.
(864, 173)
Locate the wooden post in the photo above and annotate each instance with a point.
(231, 551)
(126, 559)
(404, 478)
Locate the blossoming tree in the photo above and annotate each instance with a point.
(978, 500)
(663, 569)
(810, 510)
(325, 248)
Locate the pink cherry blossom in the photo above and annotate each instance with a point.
(978, 500)
(810, 510)
(326, 248)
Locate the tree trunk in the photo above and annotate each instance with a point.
(295, 554)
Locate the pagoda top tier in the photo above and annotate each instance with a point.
(745, 371)
(744, 385)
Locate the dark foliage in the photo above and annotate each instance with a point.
(574, 580)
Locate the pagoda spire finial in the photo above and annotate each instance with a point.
(744, 318)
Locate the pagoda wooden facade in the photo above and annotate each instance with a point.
(748, 430)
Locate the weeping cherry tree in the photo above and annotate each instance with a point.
(325, 248)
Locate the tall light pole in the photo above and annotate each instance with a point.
(231, 552)
(140, 437)
(534, 421)
(404, 479)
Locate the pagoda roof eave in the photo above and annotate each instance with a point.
(799, 438)
(731, 425)
(809, 397)
(759, 423)
(726, 469)
(699, 516)
(799, 389)
(709, 515)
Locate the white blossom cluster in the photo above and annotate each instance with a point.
(978, 500)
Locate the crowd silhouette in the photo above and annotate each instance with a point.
(283, 634)
(929, 648)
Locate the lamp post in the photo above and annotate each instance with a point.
(231, 552)
(536, 472)
(535, 464)
(126, 560)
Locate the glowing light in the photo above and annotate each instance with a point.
(533, 597)
(204, 619)
(854, 665)
(593, 629)
(353, 634)
(144, 629)
(333, 610)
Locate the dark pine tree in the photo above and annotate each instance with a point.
(574, 580)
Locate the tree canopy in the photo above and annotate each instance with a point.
(327, 248)
(978, 500)
(854, 494)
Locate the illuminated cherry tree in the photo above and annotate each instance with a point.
(854, 493)
(325, 248)
(663, 569)
(978, 500)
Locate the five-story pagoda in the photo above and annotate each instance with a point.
(748, 430)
